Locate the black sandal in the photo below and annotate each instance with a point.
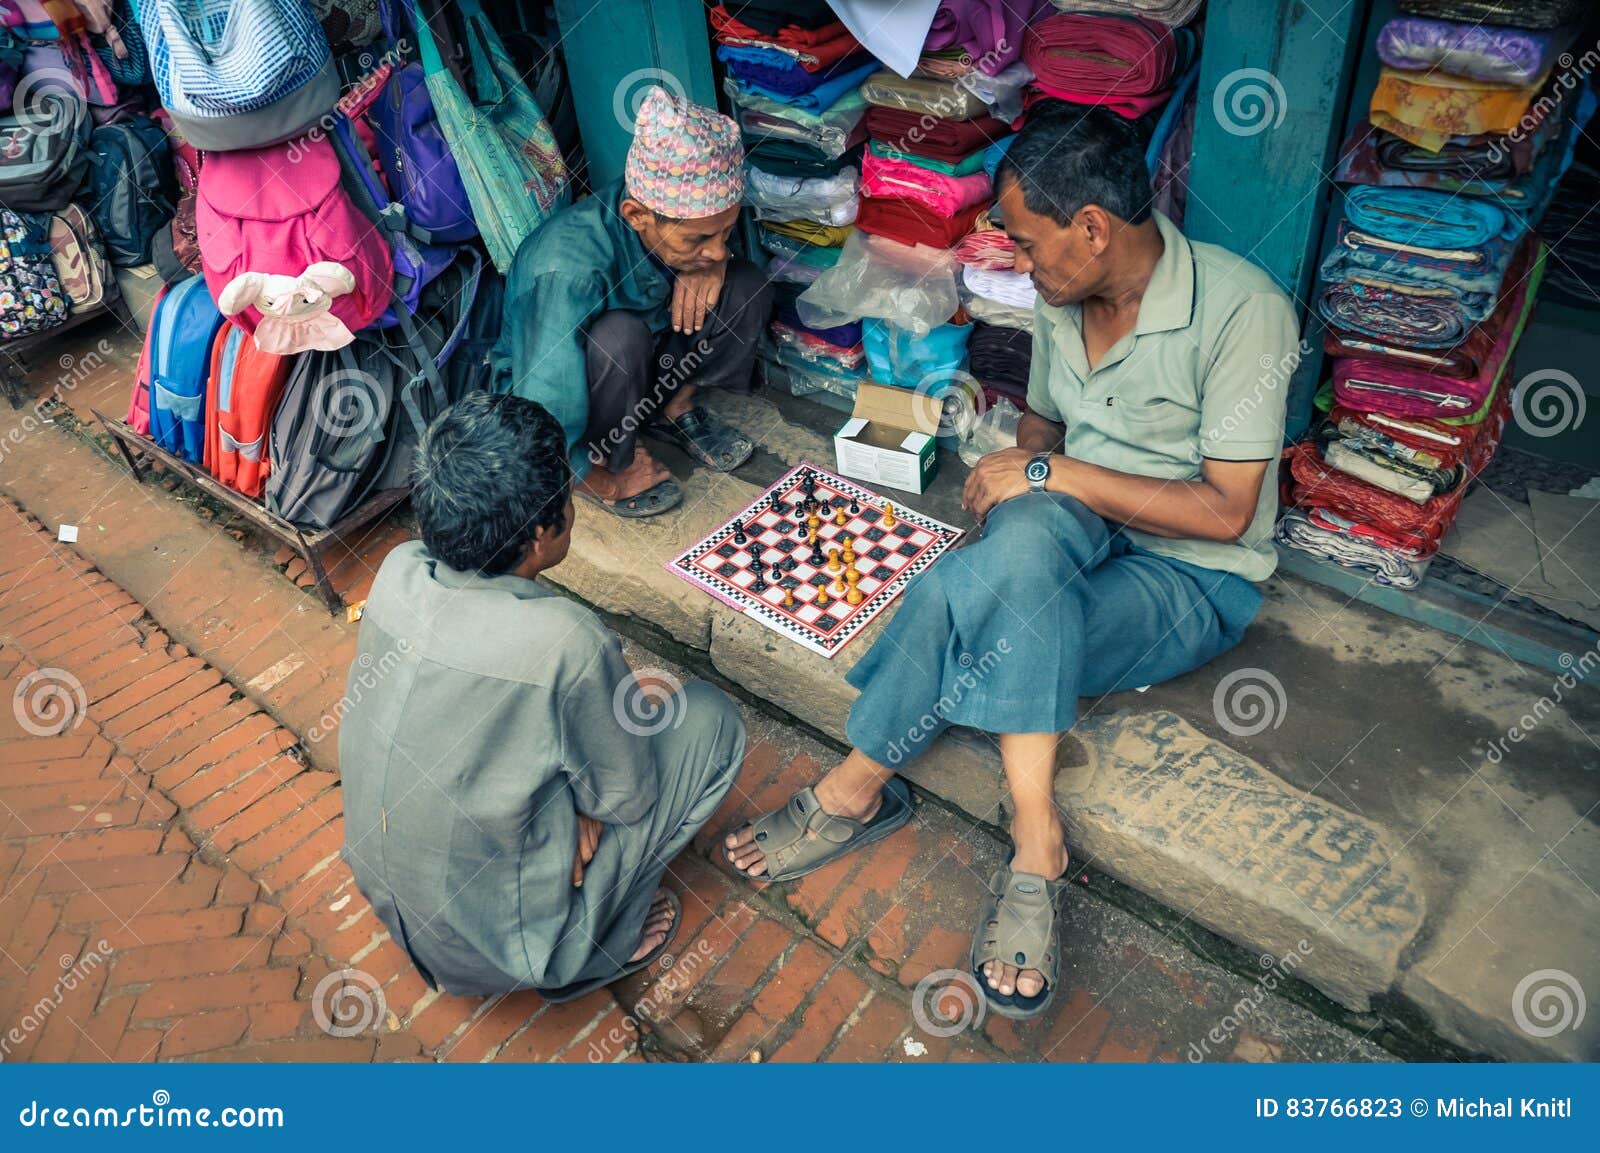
(708, 440)
(653, 501)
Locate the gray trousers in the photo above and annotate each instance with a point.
(698, 755)
(633, 372)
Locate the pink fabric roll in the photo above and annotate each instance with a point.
(945, 195)
(1123, 62)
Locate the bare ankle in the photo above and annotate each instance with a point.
(842, 794)
(1040, 846)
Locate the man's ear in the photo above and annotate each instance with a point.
(637, 215)
(1096, 223)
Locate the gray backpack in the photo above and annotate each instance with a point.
(44, 152)
(349, 420)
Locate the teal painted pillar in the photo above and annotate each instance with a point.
(1275, 82)
(617, 49)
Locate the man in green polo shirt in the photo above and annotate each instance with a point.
(1121, 538)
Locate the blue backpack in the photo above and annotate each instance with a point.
(186, 322)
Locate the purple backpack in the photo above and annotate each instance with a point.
(416, 157)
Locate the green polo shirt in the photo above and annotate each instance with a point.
(1204, 373)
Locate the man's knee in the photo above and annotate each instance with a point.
(715, 720)
(618, 339)
(1054, 535)
(746, 295)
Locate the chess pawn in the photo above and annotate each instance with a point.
(822, 597)
(855, 507)
(738, 533)
(840, 518)
(788, 596)
(835, 561)
(888, 516)
(838, 583)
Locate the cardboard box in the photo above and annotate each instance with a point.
(889, 441)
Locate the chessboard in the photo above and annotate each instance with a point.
(763, 561)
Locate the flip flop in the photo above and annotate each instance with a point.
(791, 853)
(1018, 927)
(580, 988)
(707, 439)
(653, 501)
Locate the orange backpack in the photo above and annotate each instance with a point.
(242, 395)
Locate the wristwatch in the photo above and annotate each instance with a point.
(1038, 471)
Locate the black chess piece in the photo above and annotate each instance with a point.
(817, 559)
(789, 563)
(759, 585)
(738, 533)
(801, 528)
(855, 507)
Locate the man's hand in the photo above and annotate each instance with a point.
(588, 842)
(693, 295)
(997, 477)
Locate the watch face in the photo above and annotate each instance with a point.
(1038, 470)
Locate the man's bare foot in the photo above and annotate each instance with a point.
(843, 792)
(657, 925)
(643, 474)
(1043, 852)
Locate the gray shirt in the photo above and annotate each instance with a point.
(478, 724)
(1204, 374)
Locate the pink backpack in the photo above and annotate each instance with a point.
(280, 209)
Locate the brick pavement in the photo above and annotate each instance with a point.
(170, 889)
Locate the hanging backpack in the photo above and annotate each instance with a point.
(79, 260)
(44, 149)
(415, 265)
(239, 73)
(508, 159)
(181, 332)
(349, 420)
(266, 211)
(416, 159)
(138, 417)
(131, 187)
(121, 48)
(31, 299)
(241, 397)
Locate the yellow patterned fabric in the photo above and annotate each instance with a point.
(1427, 112)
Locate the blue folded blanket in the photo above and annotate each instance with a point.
(822, 97)
(1428, 219)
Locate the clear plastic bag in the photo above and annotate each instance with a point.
(992, 430)
(914, 287)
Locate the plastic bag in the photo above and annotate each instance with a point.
(898, 356)
(915, 287)
(991, 431)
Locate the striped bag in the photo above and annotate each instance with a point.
(238, 74)
(510, 163)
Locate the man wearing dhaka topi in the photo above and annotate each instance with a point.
(627, 303)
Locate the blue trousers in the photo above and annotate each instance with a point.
(1006, 634)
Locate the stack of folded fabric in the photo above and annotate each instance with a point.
(998, 357)
(922, 178)
(794, 76)
(1430, 283)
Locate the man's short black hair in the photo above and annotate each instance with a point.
(1068, 156)
(490, 471)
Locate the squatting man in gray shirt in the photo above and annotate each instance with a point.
(510, 808)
